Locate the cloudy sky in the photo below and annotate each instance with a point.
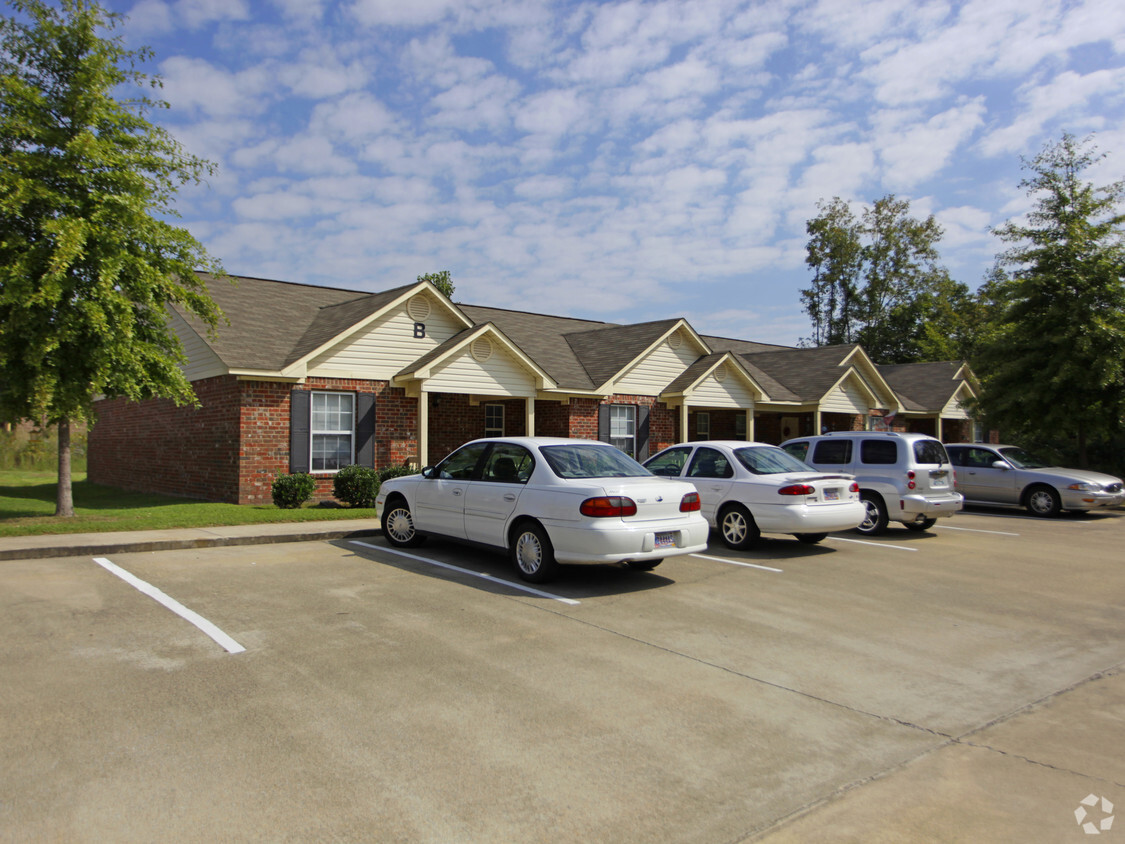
(623, 161)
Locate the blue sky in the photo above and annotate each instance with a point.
(623, 161)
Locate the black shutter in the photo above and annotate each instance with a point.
(365, 430)
(603, 422)
(642, 432)
(300, 406)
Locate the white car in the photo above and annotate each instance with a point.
(748, 488)
(546, 501)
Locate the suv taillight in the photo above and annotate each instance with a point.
(609, 505)
(690, 503)
(797, 489)
(854, 487)
(910, 480)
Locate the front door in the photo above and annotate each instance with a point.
(713, 476)
(440, 504)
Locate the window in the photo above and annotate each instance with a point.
(331, 431)
(740, 426)
(508, 464)
(623, 427)
(494, 420)
(461, 465)
(832, 452)
(879, 452)
(703, 426)
(669, 463)
(709, 463)
(930, 451)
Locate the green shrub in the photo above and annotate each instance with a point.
(396, 472)
(291, 491)
(356, 486)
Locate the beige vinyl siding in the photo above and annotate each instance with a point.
(384, 347)
(953, 408)
(657, 370)
(500, 375)
(730, 392)
(202, 361)
(846, 398)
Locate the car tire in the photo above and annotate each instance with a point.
(810, 538)
(532, 554)
(875, 521)
(643, 565)
(398, 524)
(737, 527)
(921, 524)
(1043, 501)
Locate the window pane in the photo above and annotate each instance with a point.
(622, 420)
(331, 452)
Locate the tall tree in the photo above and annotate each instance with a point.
(88, 261)
(441, 280)
(835, 255)
(876, 279)
(1057, 359)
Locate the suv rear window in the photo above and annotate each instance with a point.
(930, 451)
(833, 452)
(880, 452)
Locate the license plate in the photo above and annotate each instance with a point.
(832, 494)
(665, 540)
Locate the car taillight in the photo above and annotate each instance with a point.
(797, 489)
(611, 505)
(854, 487)
(910, 480)
(690, 503)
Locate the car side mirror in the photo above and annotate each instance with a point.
(427, 471)
(1000, 464)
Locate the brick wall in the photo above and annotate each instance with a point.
(154, 446)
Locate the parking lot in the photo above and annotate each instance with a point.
(959, 685)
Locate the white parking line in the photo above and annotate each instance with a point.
(876, 544)
(735, 562)
(480, 574)
(977, 530)
(175, 606)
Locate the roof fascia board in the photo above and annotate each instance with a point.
(727, 358)
(488, 329)
(303, 362)
(854, 374)
(868, 365)
(964, 389)
(610, 383)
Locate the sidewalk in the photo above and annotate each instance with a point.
(119, 542)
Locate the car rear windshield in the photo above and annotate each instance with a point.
(770, 461)
(592, 461)
(930, 451)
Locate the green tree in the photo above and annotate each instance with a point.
(876, 279)
(441, 280)
(88, 261)
(1056, 360)
(835, 255)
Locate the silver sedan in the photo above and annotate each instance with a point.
(1008, 476)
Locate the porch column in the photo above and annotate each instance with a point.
(750, 425)
(423, 429)
(938, 426)
(683, 423)
(816, 422)
(529, 416)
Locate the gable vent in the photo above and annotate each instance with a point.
(721, 373)
(675, 340)
(481, 349)
(418, 308)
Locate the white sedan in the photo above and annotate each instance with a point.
(546, 501)
(748, 488)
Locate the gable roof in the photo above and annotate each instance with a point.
(926, 387)
(605, 352)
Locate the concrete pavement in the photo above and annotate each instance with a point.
(118, 542)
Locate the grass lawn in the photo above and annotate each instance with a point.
(27, 506)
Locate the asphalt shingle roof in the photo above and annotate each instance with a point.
(923, 386)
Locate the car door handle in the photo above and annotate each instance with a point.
(456, 491)
(509, 497)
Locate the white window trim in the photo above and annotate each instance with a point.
(493, 432)
(314, 432)
(631, 438)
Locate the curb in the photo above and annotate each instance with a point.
(125, 546)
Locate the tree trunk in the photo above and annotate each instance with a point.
(64, 506)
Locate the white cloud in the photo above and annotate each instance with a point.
(197, 13)
(912, 152)
(191, 83)
(399, 13)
